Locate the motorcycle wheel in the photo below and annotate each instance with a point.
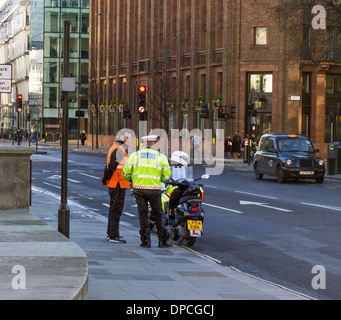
(191, 241)
(174, 235)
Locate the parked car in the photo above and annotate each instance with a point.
(288, 156)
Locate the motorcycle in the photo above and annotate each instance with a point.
(182, 204)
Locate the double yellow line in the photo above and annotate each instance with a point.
(205, 256)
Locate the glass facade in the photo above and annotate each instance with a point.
(55, 13)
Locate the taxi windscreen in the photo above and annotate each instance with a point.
(294, 144)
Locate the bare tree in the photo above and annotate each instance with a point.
(161, 97)
(294, 19)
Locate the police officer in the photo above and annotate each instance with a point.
(117, 185)
(146, 169)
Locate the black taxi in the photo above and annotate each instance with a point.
(288, 156)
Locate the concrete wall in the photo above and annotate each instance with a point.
(15, 172)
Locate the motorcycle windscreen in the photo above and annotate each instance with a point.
(182, 172)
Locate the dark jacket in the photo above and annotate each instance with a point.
(236, 141)
(228, 145)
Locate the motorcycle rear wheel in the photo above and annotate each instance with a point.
(191, 241)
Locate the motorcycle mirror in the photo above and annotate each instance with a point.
(205, 176)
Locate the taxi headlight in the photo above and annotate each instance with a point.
(289, 162)
(321, 162)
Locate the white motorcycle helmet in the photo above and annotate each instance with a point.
(179, 157)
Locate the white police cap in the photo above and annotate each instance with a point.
(150, 138)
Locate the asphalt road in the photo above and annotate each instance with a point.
(277, 232)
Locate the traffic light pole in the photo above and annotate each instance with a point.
(64, 211)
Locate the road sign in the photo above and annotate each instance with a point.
(142, 109)
(5, 78)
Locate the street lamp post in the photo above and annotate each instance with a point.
(64, 211)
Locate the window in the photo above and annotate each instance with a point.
(333, 84)
(261, 83)
(260, 36)
(330, 84)
(267, 143)
(306, 83)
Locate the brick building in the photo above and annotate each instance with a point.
(207, 48)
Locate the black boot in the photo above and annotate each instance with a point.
(145, 238)
(163, 239)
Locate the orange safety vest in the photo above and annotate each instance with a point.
(117, 175)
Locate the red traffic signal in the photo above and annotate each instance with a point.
(142, 89)
(19, 103)
(221, 113)
(141, 99)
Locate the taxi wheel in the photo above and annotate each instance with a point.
(319, 180)
(280, 174)
(258, 175)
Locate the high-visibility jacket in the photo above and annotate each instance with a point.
(117, 175)
(146, 169)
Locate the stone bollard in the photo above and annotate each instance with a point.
(15, 178)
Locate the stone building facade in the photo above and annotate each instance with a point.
(217, 49)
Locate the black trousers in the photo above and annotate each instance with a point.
(117, 196)
(154, 198)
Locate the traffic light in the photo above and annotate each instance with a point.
(19, 103)
(251, 108)
(232, 111)
(221, 113)
(204, 111)
(126, 113)
(141, 98)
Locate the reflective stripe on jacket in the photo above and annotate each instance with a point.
(117, 175)
(146, 169)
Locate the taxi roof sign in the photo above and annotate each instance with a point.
(293, 135)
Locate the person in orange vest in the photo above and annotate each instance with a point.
(116, 158)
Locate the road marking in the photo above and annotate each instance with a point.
(52, 185)
(265, 205)
(256, 195)
(322, 206)
(74, 181)
(125, 212)
(55, 176)
(48, 158)
(81, 196)
(128, 214)
(222, 208)
(210, 186)
(88, 175)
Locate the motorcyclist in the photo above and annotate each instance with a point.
(179, 171)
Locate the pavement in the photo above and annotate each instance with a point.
(113, 271)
